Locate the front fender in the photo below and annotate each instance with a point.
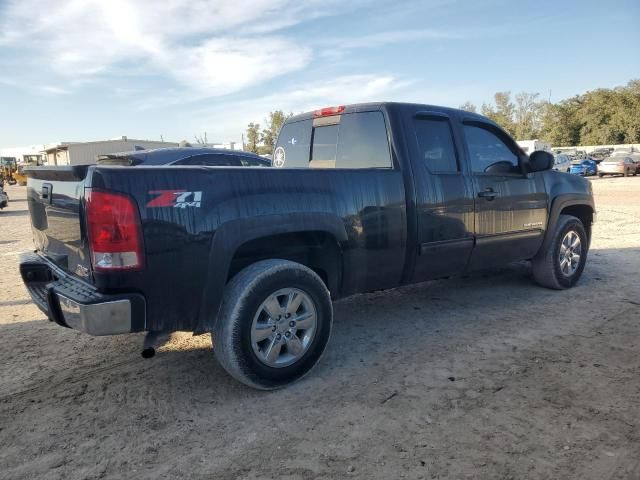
(560, 203)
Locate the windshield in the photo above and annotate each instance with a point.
(8, 162)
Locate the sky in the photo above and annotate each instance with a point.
(76, 70)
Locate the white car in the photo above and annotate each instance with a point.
(561, 163)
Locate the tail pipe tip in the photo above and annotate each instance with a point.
(153, 341)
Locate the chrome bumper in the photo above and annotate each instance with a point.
(72, 303)
(107, 318)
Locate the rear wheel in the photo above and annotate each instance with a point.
(274, 324)
(561, 265)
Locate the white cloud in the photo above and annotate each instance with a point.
(197, 48)
(53, 90)
(228, 119)
(226, 65)
(391, 37)
(211, 48)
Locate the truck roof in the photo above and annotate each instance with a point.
(363, 107)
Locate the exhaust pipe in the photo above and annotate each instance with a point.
(152, 341)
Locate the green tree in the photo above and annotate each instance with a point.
(598, 117)
(527, 116)
(610, 116)
(560, 125)
(274, 123)
(502, 111)
(469, 107)
(253, 137)
(629, 117)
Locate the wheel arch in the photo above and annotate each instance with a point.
(311, 239)
(580, 206)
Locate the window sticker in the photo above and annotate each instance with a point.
(279, 157)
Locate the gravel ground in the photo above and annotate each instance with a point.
(486, 376)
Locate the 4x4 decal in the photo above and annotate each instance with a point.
(175, 198)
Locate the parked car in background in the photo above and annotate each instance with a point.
(600, 154)
(584, 167)
(561, 163)
(203, 156)
(618, 165)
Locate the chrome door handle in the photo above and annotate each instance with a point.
(489, 194)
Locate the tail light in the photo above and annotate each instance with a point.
(114, 231)
(328, 111)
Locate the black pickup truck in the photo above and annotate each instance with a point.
(359, 198)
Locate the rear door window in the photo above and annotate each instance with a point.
(435, 145)
(363, 141)
(354, 140)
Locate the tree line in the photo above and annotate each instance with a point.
(606, 116)
(599, 117)
(263, 140)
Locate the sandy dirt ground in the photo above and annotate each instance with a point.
(481, 377)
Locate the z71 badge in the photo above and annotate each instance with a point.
(175, 199)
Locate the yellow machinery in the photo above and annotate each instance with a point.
(8, 169)
(29, 161)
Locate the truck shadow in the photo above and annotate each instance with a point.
(13, 213)
(369, 330)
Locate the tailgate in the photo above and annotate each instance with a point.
(54, 196)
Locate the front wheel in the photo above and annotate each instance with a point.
(560, 266)
(274, 324)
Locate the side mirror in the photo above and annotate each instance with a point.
(540, 161)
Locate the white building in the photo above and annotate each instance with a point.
(84, 153)
(530, 146)
(225, 146)
(19, 152)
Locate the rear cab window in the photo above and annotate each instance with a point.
(351, 140)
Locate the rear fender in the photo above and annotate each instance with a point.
(231, 235)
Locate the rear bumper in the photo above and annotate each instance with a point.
(611, 170)
(75, 304)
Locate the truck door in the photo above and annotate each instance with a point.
(444, 198)
(510, 206)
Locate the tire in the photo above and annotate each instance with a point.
(243, 311)
(548, 271)
(600, 175)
